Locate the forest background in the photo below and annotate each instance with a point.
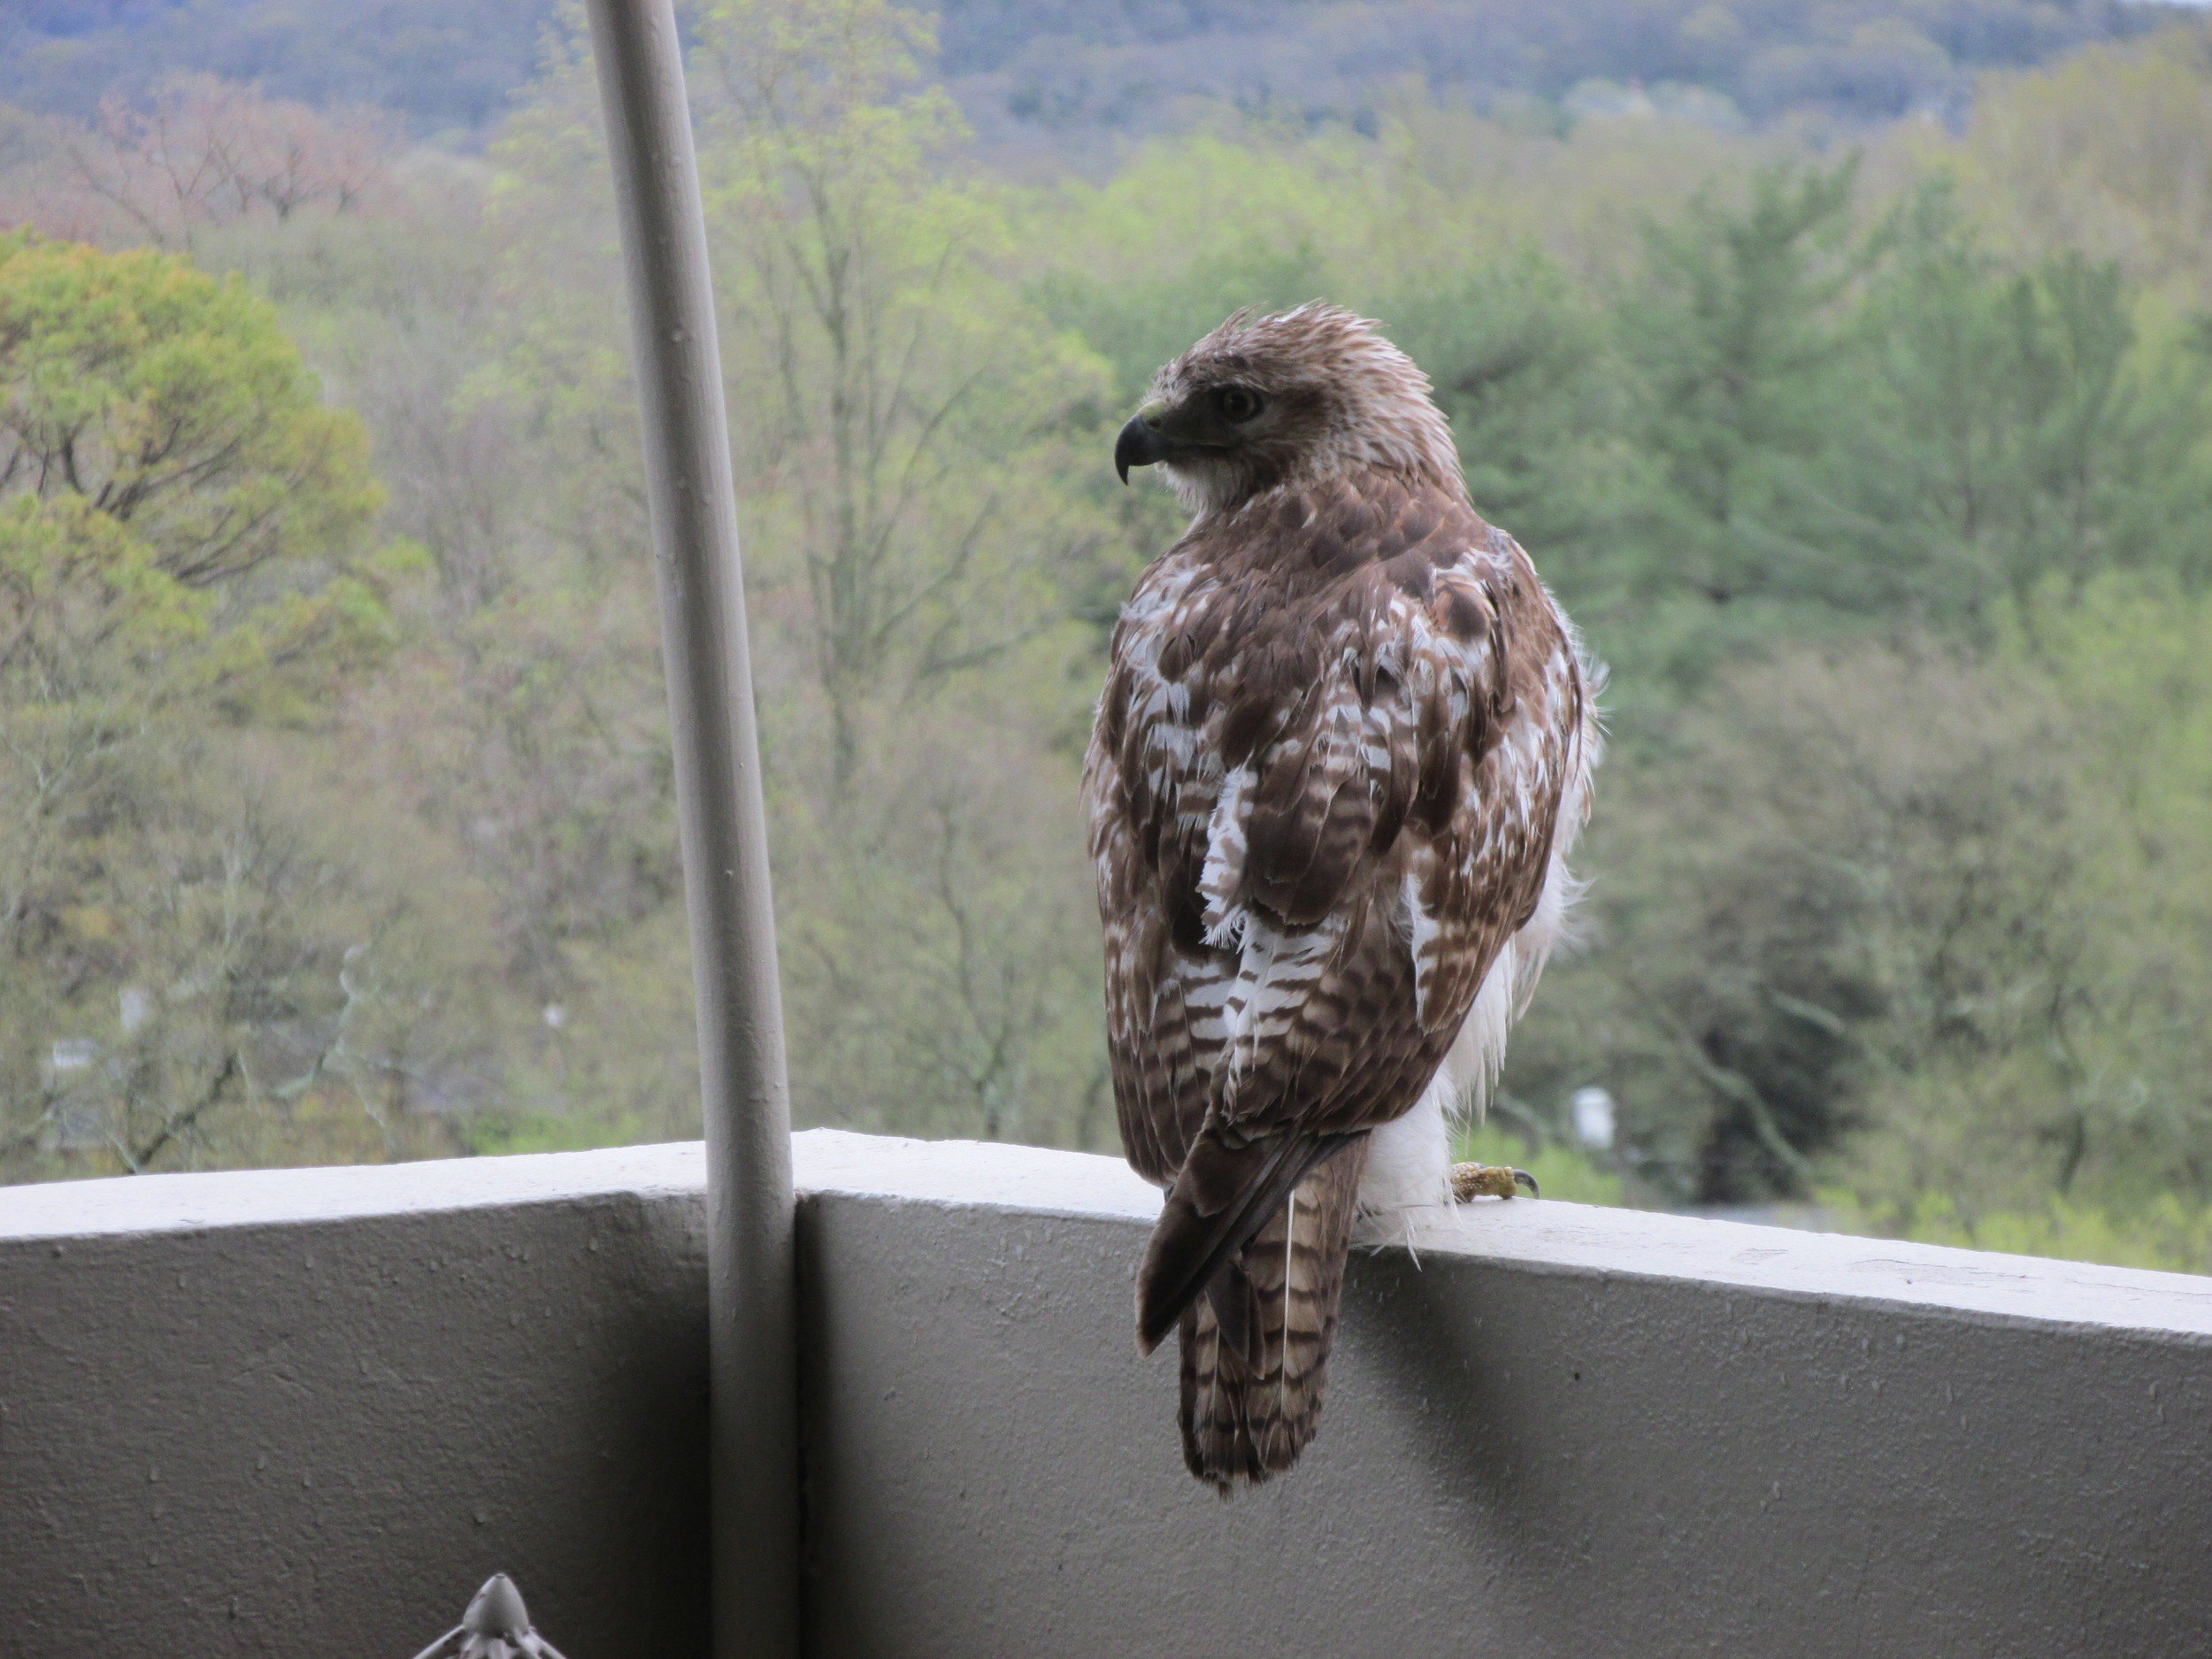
(1848, 369)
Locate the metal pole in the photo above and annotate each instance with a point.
(754, 1425)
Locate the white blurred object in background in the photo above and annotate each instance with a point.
(1593, 1109)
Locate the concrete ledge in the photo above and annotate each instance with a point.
(273, 1412)
(266, 1198)
(1549, 1237)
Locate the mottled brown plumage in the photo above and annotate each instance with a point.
(1342, 748)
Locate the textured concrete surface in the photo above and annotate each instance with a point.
(310, 1410)
(1566, 1431)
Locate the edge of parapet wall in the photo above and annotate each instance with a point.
(1536, 1234)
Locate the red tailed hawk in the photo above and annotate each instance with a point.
(1343, 748)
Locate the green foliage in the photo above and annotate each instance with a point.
(167, 469)
(2016, 430)
(170, 402)
(1925, 923)
(184, 565)
(2099, 153)
(496, 1134)
(1522, 360)
(1732, 327)
(2167, 1233)
(909, 393)
(907, 426)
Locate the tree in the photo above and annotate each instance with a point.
(1524, 361)
(2015, 429)
(904, 419)
(1918, 923)
(185, 570)
(2101, 154)
(899, 386)
(1735, 329)
(908, 411)
(199, 152)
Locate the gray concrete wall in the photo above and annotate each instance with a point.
(309, 1411)
(1565, 1431)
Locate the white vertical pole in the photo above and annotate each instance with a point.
(693, 509)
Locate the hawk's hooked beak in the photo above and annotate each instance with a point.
(1141, 443)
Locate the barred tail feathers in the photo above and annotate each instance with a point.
(1248, 1408)
(1222, 1195)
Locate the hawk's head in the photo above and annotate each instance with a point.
(1266, 401)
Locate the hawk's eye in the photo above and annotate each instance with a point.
(1237, 404)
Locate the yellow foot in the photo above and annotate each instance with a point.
(1483, 1180)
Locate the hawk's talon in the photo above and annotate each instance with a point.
(1485, 1180)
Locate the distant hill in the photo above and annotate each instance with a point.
(1100, 63)
(443, 65)
(1064, 67)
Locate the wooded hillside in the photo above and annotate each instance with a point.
(1031, 74)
